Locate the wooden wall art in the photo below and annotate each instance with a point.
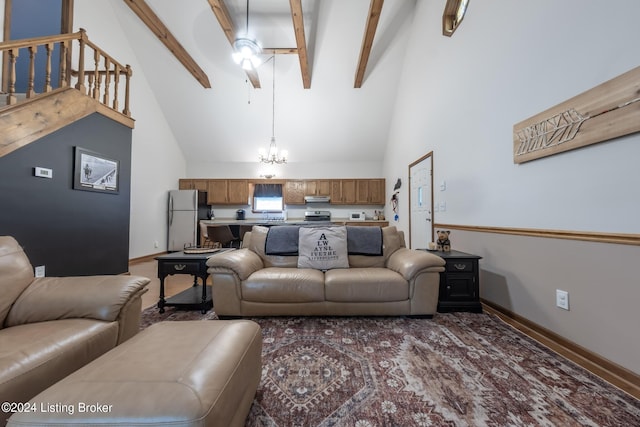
(607, 111)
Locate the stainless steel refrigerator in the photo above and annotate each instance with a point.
(183, 219)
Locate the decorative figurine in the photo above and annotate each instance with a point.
(444, 245)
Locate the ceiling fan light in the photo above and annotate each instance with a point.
(245, 53)
(256, 61)
(246, 64)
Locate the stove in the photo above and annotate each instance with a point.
(317, 216)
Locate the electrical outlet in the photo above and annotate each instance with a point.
(562, 299)
(155, 244)
(40, 271)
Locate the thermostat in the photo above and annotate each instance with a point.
(43, 172)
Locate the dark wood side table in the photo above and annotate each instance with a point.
(459, 282)
(196, 297)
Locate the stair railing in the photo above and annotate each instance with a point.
(96, 74)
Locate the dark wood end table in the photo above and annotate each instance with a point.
(459, 282)
(196, 297)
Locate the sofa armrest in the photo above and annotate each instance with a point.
(409, 262)
(243, 262)
(92, 297)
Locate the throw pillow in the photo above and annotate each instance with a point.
(323, 248)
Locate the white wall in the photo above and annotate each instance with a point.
(157, 161)
(461, 96)
(294, 170)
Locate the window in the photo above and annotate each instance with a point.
(268, 198)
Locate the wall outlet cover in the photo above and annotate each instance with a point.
(562, 299)
(39, 271)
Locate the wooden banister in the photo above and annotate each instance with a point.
(100, 82)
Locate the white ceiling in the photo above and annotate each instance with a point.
(231, 121)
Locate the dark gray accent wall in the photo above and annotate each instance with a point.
(70, 232)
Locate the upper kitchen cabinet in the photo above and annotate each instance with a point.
(370, 192)
(343, 192)
(317, 187)
(294, 192)
(228, 192)
(296, 189)
(193, 184)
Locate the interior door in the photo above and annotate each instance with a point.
(421, 202)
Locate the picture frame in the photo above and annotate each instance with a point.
(95, 172)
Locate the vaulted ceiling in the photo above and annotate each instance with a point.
(338, 64)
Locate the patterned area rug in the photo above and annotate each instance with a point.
(459, 369)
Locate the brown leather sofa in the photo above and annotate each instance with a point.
(51, 326)
(401, 281)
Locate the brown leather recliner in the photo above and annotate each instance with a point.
(51, 326)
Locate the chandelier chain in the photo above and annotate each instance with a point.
(273, 100)
(247, 20)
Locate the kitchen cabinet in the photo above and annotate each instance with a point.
(296, 189)
(370, 192)
(294, 192)
(317, 187)
(228, 192)
(343, 192)
(193, 184)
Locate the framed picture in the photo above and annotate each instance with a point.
(95, 172)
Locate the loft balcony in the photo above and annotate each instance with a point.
(67, 77)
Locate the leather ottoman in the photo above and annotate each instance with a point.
(182, 373)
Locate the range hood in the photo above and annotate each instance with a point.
(317, 199)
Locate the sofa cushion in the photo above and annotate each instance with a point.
(282, 240)
(364, 240)
(285, 285)
(16, 273)
(37, 355)
(323, 248)
(257, 244)
(392, 240)
(365, 285)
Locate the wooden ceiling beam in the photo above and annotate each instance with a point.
(280, 50)
(226, 23)
(301, 42)
(367, 41)
(151, 20)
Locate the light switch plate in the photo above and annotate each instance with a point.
(43, 172)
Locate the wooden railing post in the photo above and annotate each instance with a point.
(107, 81)
(80, 84)
(32, 71)
(116, 81)
(11, 97)
(47, 73)
(65, 78)
(96, 74)
(126, 110)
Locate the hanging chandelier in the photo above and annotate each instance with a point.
(272, 156)
(246, 50)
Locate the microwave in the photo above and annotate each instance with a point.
(356, 216)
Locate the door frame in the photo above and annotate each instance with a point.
(428, 156)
